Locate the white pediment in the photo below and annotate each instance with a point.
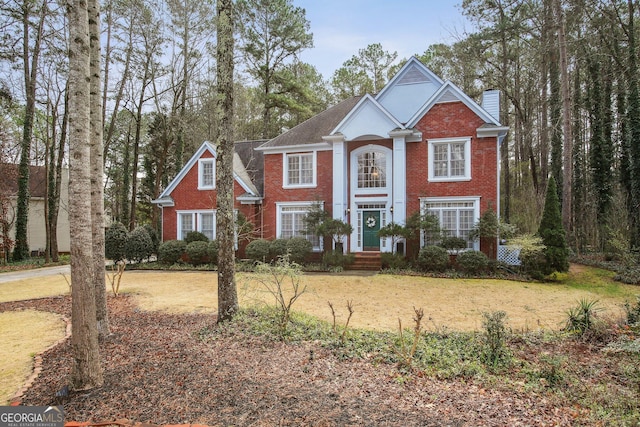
(367, 120)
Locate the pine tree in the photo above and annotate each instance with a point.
(552, 232)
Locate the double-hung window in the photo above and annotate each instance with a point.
(202, 221)
(456, 216)
(291, 223)
(299, 170)
(206, 174)
(449, 159)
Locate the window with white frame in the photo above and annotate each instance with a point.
(202, 221)
(372, 169)
(449, 159)
(299, 170)
(456, 217)
(291, 223)
(206, 174)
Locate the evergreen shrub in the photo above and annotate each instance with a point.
(171, 251)
(472, 262)
(139, 245)
(258, 250)
(299, 249)
(433, 258)
(197, 252)
(115, 242)
(195, 236)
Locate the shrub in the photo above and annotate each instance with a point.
(171, 251)
(212, 252)
(433, 258)
(552, 233)
(393, 261)
(258, 250)
(154, 237)
(453, 243)
(195, 236)
(277, 248)
(198, 252)
(472, 262)
(139, 245)
(495, 338)
(337, 259)
(299, 249)
(115, 242)
(633, 312)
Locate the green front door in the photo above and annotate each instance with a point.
(370, 228)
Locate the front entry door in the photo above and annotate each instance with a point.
(371, 226)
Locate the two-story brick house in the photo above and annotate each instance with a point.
(419, 145)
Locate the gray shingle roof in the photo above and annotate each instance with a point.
(312, 130)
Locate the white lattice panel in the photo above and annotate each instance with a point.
(509, 255)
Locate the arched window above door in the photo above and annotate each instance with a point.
(372, 169)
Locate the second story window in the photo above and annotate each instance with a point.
(372, 169)
(206, 174)
(450, 159)
(299, 170)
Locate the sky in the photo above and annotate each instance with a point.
(342, 27)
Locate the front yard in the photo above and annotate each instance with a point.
(167, 363)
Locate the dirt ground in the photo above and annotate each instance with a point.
(157, 370)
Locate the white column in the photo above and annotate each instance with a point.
(399, 197)
(340, 202)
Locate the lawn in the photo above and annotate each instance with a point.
(379, 300)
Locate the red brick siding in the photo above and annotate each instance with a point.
(275, 193)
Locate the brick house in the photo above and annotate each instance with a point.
(420, 145)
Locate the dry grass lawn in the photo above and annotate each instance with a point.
(24, 334)
(379, 301)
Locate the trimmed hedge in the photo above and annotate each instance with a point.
(171, 251)
(197, 252)
(139, 245)
(433, 258)
(472, 262)
(115, 242)
(258, 250)
(195, 236)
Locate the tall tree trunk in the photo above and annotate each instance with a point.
(633, 113)
(567, 149)
(227, 292)
(54, 199)
(86, 371)
(97, 173)
(30, 60)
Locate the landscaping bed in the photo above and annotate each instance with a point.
(182, 368)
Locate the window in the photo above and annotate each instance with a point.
(372, 169)
(299, 170)
(456, 217)
(291, 223)
(208, 225)
(450, 159)
(206, 174)
(202, 221)
(186, 223)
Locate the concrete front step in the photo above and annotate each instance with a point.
(370, 261)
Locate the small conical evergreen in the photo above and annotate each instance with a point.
(552, 232)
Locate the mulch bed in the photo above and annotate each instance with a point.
(158, 370)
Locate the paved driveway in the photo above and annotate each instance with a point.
(36, 272)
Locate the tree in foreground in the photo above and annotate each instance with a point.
(86, 371)
(227, 292)
(552, 232)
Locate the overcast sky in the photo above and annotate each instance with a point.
(341, 27)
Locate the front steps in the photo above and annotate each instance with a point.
(369, 261)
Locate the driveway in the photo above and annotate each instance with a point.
(36, 272)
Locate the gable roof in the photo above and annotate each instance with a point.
(240, 174)
(9, 181)
(369, 118)
(312, 130)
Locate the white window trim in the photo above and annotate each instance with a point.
(279, 207)
(476, 211)
(467, 159)
(354, 170)
(201, 185)
(196, 216)
(285, 169)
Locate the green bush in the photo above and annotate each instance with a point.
(195, 236)
(139, 245)
(154, 237)
(299, 249)
(337, 259)
(258, 250)
(453, 243)
(115, 242)
(278, 248)
(494, 340)
(171, 251)
(197, 252)
(393, 261)
(472, 262)
(433, 258)
(212, 252)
